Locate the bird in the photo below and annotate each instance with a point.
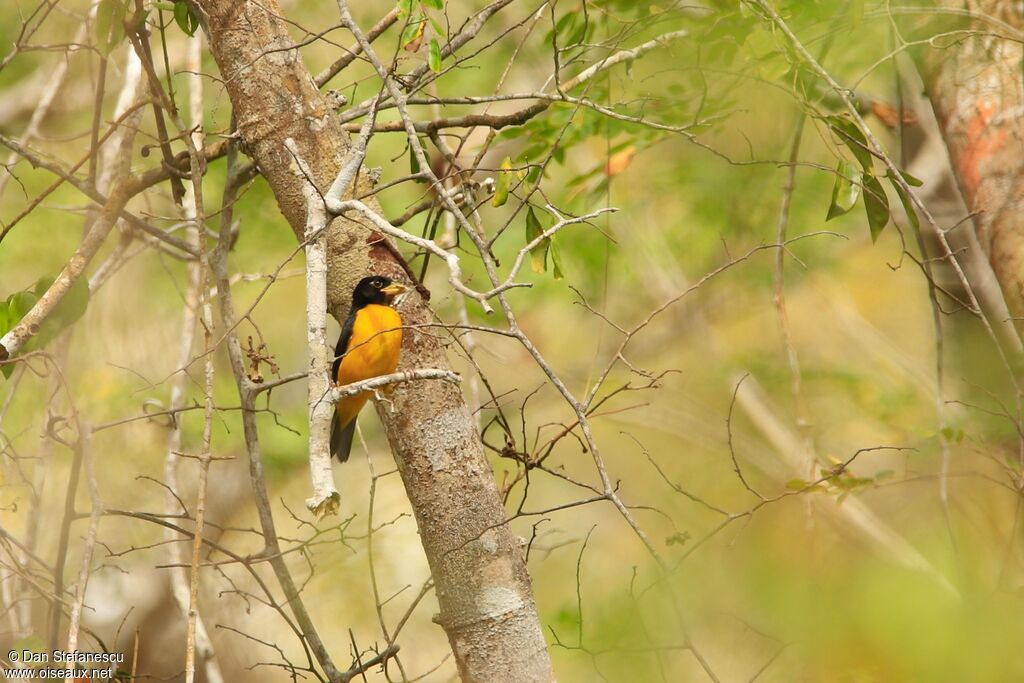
(369, 346)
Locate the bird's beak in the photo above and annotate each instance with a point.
(393, 290)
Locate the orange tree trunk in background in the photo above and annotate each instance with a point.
(975, 87)
(486, 601)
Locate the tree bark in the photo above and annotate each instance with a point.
(977, 94)
(486, 601)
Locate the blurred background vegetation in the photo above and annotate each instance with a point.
(805, 587)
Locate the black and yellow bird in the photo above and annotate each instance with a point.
(369, 346)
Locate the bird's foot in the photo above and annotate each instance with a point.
(384, 398)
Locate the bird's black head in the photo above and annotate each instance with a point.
(375, 289)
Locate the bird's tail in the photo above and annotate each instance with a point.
(341, 437)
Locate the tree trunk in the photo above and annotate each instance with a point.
(484, 591)
(976, 91)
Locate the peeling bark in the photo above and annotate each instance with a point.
(484, 591)
(977, 94)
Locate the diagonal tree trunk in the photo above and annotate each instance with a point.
(484, 591)
(976, 90)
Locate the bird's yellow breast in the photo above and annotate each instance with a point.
(373, 350)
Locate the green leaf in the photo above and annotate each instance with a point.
(876, 204)
(433, 4)
(846, 190)
(438, 28)
(66, 313)
(539, 254)
(18, 304)
(186, 21)
(13, 310)
(73, 305)
(796, 484)
(414, 163)
(579, 34)
(854, 139)
(404, 8)
(952, 434)
(109, 25)
(908, 206)
(533, 176)
(911, 180)
(559, 27)
(434, 56)
(501, 183)
(556, 260)
(512, 132)
(412, 33)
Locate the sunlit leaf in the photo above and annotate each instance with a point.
(404, 8)
(436, 25)
(433, 4)
(846, 189)
(412, 36)
(539, 254)
(502, 182)
(556, 260)
(434, 56)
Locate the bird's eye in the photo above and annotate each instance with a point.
(378, 284)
